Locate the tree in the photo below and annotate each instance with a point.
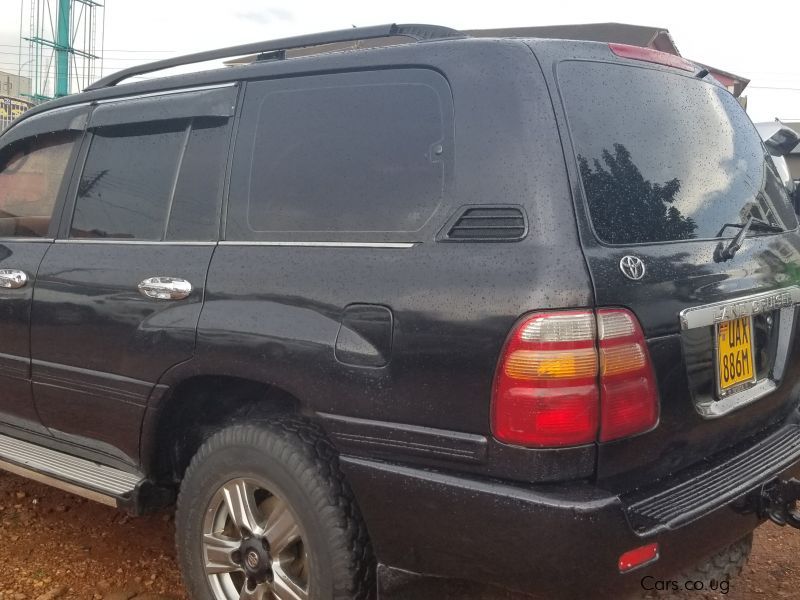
(626, 207)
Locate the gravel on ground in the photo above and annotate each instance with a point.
(54, 545)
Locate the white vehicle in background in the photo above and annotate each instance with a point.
(780, 140)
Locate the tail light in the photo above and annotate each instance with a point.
(546, 386)
(628, 396)
(652, 56)
(571, 377)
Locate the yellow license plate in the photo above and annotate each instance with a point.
(735, 361)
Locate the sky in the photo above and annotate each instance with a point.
(757, 41)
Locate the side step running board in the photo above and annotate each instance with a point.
(69, 473)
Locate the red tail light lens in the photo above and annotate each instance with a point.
(546, 385)
(567, 378)
(628, 395)
(652, 56)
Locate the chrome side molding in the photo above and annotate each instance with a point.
(396, 245)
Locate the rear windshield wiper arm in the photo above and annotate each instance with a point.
(756, 225)
(723, 253)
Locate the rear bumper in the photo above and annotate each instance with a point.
(557, 539)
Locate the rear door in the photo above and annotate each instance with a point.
(36, 157)
(119, 294)
(668, 168)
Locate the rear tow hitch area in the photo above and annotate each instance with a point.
(777, 500)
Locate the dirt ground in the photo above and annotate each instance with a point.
(55, 545)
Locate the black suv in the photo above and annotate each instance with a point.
(394, 302)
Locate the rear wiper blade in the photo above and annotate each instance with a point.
(723, 253)
(763, 226)
(756, 225)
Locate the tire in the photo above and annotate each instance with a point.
(723, 566)
(299, 531)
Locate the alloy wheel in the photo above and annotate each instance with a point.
(253, 545)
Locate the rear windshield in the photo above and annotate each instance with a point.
(665, 157)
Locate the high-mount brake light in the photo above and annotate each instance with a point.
(652, 56)
(567, 378)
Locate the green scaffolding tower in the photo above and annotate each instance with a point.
(63, 54)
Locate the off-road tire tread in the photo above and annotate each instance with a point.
(723, 566)
(305, 450)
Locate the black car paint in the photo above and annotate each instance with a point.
(414, 433)
(16, 403)
(679, 275)
(99, 347)
(562, 542)
(269, 310)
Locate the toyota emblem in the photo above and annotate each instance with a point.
(632, 267)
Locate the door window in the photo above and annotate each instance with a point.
(31, 173)
(153, 181)
(127, 182)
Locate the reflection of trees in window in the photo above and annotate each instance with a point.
(626, 207)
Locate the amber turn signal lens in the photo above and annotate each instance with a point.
(552, 364)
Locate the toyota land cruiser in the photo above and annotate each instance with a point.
(396, 302)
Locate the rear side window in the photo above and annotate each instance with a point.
(664, 157)
(328, 156)
(153, 181)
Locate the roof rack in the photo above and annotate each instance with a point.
(416, 32)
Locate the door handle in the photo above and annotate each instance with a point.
(12, 278)
(165, 288)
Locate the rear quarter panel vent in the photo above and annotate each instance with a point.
(491, 223)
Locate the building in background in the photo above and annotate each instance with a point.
(10, 109)
(15, 93)
(14, 86)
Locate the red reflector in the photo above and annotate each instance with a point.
(652, 56)
(638, 557)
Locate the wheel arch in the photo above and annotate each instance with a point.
(197, 406)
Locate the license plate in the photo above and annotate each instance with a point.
(735, 361)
